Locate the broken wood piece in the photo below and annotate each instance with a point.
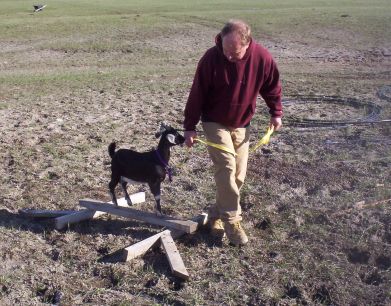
(174, 258)
(187, 226)
(44, 213)
(360, 206)
(141, 247)
(373, 204)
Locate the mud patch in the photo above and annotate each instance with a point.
(357, 256)
(383, 262)
(322, 295)
(264, 224)
(373, 278)
(151, 282)
(293, 292)
(49, 295)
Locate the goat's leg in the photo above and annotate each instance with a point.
(114, 182)
(127, 197)
(155, 189)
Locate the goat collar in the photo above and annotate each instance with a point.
(165, 164)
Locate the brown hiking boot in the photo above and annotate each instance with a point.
(235, 233)
(216, 228)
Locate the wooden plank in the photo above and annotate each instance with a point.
(187, 226)
(78, 216)
(200, 220)
(140, 248)
(82, 215)
(44, 213)
(135, 198)
(173, 256)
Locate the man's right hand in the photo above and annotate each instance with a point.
(189, 138)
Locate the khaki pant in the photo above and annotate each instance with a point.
(230, 171)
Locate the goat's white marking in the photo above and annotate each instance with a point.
(163, 128)
(125, 179)
(171, 138)
(157, 197)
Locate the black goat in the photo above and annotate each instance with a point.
(146, 167)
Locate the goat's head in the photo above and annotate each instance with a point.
(169, 134)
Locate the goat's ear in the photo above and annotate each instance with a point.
(170, 138)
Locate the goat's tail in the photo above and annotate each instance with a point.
(112, 149)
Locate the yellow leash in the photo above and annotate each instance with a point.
(264, 140)
(216, 145)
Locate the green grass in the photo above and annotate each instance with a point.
(134, 29)
(63, 18)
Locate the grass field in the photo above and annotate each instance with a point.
(80, 74)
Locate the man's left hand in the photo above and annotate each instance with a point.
(276, 122)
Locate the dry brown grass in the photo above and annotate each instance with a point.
(63, 101)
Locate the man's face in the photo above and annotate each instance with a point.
(233, 48)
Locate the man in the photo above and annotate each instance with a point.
(228, 79)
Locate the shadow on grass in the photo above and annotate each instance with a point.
(115, 227)
(155, 258)
(12, 220)
(202, 236)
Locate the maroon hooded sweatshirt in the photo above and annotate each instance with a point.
(226, 92)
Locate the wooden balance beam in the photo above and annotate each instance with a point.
(86, 214)
(187, 226)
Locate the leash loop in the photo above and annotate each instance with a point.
(217, 146)
(263, 141)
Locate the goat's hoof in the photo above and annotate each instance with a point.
(129, 202)
(158, 214)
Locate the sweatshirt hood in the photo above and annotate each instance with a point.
(219, 45)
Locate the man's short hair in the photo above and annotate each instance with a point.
(238, 27)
